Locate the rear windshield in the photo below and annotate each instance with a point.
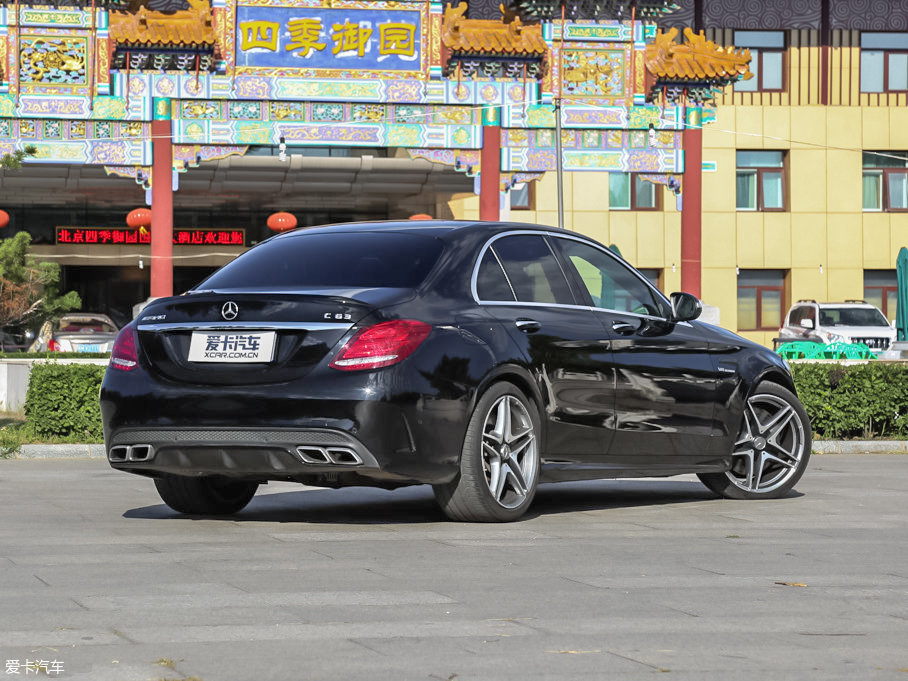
(342, 260)
(852, 316)
(84, 326)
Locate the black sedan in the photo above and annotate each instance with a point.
(479, 358)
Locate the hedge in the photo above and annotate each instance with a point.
(62, 401)
(843, 401)
(854, 401)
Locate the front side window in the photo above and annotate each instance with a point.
(629, 191)
(884, 62)
(760, 180)
(760, 299)
(767, 60)
(884, 183)
(881, 290)
(802, 312)
(610, 284)
(532, 271)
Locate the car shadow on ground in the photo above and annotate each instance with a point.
(364, 505)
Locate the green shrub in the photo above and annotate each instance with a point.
(62, 401)
(858, 400)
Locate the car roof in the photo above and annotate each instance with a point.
(85, 316)
(848, 304)
(425, 227)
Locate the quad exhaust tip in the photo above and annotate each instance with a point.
(337, 456)
(128, 453)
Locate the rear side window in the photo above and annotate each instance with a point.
(341, 260)
(491, 283)
(532, 270)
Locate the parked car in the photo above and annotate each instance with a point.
(854, 321)
(76, 332)
(13, 339)
(479, 358)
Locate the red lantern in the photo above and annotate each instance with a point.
(4, 219)
(281, 222)
(421, 216)
(140, 217)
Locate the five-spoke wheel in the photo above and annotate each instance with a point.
(500, 460)
(771, 450)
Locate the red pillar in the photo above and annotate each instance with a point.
(692, 204)
(161, 202)
(490, 167)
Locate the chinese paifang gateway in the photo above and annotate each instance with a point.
(340, 110)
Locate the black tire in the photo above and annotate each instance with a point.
(478, 493)
(771, 450)
(205, 496)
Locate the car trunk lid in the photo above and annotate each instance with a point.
(250, 337)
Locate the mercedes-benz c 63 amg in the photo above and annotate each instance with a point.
(479, 358)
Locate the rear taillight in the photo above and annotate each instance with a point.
(381, 345)
(123, 356)
(53, 346)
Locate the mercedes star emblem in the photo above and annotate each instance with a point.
(230, 310)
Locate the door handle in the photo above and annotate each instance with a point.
(528, 325)
(623, 328)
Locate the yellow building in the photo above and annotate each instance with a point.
(805, 176)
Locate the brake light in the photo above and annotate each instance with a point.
(381, 345)
(123, 356)
(53, 346)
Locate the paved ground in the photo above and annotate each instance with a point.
(605, 580)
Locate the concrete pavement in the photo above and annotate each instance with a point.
(603, 580)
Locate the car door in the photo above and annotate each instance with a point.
(666, 378)
(521, 283)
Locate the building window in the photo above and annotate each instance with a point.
(767, 60)
(760, 180)
(522, 196)
(761, 301)
(881, 289)
(653, 276)
(884, 62)
(885, 181)
(628, 191)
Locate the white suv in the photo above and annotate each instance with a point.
(853, 321)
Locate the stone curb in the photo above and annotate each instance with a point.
(860, 446)
(68, 451)
(96, 451)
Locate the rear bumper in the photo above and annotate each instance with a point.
(365, 443)
(243, 453)
(404, 424)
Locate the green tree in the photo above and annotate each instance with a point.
(29, 291)
(14, 160)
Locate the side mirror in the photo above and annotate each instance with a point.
(685, 307)
(807, 323)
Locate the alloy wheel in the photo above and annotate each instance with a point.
(769, 449)
(509, 453)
